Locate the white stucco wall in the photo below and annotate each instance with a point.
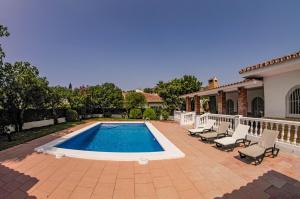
(276, 89)
(36, 124)
(253, 93)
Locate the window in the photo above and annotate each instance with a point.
(293, 102)
(258, 107)
(229, 107)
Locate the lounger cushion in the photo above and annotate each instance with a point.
(253, 151)
(225, 141)
(209, 135)
(197, 130)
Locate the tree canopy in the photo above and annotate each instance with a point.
(3, 33)
(171, 90)
(23, 88)
(106, 96)
(134, 100)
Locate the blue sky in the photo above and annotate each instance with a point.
(136, 43)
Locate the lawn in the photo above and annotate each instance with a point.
(28, 135)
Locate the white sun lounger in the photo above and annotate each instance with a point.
(203, 128)
(238, 136)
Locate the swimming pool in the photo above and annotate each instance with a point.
(114, 137)
(119, 141)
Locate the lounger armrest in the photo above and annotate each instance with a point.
(206, 130)
(242, 140)
(248, 143)
(220, 135)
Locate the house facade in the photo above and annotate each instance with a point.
(269, 89)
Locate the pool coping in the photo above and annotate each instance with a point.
(170, 150)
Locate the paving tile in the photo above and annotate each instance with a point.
(167, 192)
(104, 189)
(18, 194)
(204, 173)
(162, 182)
(190, 194)
(124, 189)
(142, 178)
(108, 178)
(145, 190)
(81, 192)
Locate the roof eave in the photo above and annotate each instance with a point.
(247, 84)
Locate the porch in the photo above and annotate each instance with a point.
(288, 139)
(244, 98)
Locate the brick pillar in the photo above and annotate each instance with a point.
(242, 101)
(197, 104)
(221, 102)
(188, 106)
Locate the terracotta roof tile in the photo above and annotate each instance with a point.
(235, 83)
(271, 62)
(152, 97)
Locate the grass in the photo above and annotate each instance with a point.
(115, 119)
(28, 135)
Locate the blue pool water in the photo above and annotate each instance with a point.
(116, 137)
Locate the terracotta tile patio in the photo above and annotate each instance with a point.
(205, 172)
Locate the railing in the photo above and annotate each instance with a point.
(187, 118)
(202, 119)
(177, 116)
(288, 130)
(232, 119)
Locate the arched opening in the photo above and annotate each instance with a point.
(258, 107)
(293, 102)
(229, 107)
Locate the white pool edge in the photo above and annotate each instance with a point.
(170, 150)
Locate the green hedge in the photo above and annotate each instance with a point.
(135, 113)
(71, 115)
(149, 113)
(165, 114)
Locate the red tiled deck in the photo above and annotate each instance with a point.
(205, 172)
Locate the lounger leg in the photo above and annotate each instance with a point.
(275, 152)
(218, 145)
(242, 155)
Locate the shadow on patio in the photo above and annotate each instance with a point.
(14, 184)
(270, 185)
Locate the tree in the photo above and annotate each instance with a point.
(23, 89)
(3, 33)
(58, 98)
(170, 91)
(77, 100)
(70, 86)
(108, 96)
(134, 100)
(148, 90)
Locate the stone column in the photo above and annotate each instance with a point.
(197, 104)
(188, 107)
(221, 102)
(242, 102)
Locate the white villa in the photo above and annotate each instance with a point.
(267, 97)
(270, 89)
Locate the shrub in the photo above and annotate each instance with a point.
(71, 115)
(158, 112)
(135, 113)
(107, 114)
(165, 114)
(149, 114)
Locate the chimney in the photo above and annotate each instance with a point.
(213, 83)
